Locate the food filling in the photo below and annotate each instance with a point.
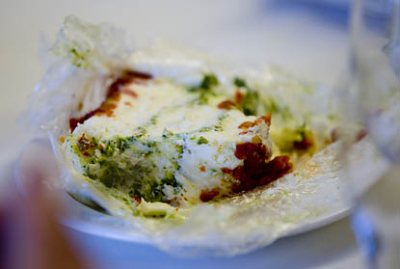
(154, 140)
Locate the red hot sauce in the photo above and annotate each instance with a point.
(113, 94)
(256, 170)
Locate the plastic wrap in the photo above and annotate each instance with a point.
(90, 55)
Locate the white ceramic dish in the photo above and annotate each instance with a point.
(307, 198)
(84, 219)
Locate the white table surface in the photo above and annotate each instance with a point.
(238, 30)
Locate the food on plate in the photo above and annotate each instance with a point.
(159, 141)
(184, 147)
(158, 144)
(153, 140)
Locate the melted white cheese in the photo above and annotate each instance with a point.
(208, 135)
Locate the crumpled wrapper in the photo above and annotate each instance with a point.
(88, 55)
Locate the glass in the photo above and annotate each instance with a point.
(374, 101)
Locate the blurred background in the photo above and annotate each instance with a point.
(307, 37)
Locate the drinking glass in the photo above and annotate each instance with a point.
(374, 101)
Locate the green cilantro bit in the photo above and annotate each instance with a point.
(151, 144)
(271, 106)
(170, 179)
(209, 81)
(251, 100)
(205, 129)
(205, 89)
(302, 130)
(167, 133)
(202, 140)
(218, 128)
(179, 148)
(140, 132)
(153, 120)
(239, 82)
(78, 58)
(250, 103)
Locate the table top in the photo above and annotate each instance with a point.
(232, 29)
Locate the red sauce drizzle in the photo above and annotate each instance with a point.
(238, 97)
(137, 75)
(129, 92)
(304, 144)
(256, 170)
(266, 118)
(208, 195)
(137, 199)
(85, 146)
(360, 135)
(228, 104)
(246, 125)
(114, 91)
(335, 135)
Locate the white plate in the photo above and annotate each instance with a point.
(305, 199)
(85, 219)
(327, 200)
